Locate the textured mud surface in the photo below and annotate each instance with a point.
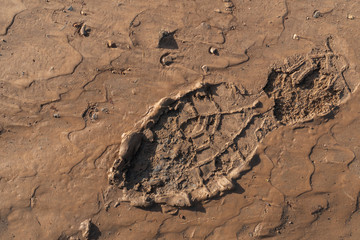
(76, 75)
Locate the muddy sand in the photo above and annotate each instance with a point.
(179, 119)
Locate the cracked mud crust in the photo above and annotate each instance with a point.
(192, 147)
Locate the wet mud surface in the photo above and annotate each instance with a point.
(258, 137)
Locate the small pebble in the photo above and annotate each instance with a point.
(217, 10)
(316, 14)
(229, 5)
(205, 68)
(110, 44)
(83, 30)
(56, 115)
(70, 8)
(351, 17)
(213, 50)
(83, 13)
(296, 37)
(86, 227)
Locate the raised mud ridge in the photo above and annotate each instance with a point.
(191, 147)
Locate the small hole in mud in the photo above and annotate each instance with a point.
(167, 40)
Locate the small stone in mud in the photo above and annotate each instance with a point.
(351, 17)
(84, 31)
(110, 44)
(85, 228)
(205, 68)
(296, 37)
(89, 229)
(56, 115)
(229, 5)
(214, 51)
(70, 8)
(316, 14)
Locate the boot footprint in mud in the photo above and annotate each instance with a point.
(192, 146)
(307, 86)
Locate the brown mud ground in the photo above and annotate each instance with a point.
(67, 95)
